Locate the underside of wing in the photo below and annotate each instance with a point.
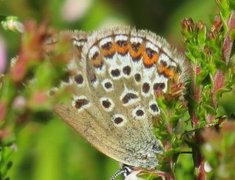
(115, 81)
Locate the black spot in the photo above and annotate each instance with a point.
(99, 65)
(115, 72)
(66, 77)
(95, 55)
(93, 78)
(127, 70)
(118, 120)
(137, 77)
(150, 52)
(123, 53)
(158, 86)
(82, 40)
(122, 43)
(128, 97)
(135, 46)
(156, 147)
(108, 85)
(154, 107)
(139, 112)
(148, 65)
(81, 102)
(106, 103)
(109, 55)
(136, 59)
(173, 68)
(163, 63)
(145, 88)
(78, 79)
(107, 46)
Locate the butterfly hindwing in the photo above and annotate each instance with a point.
(116, 76)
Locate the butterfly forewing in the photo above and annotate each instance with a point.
(116, 79)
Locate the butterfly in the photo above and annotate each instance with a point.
(116, 75)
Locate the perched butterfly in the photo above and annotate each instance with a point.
(116, 75)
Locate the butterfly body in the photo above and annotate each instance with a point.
(115, 75)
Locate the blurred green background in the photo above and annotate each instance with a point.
(51, 150)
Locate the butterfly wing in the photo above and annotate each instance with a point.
(115, 81)
(83, 113)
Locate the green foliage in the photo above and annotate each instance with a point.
(218, 150)
(6, 152)
(201, 132)
(210, 52)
